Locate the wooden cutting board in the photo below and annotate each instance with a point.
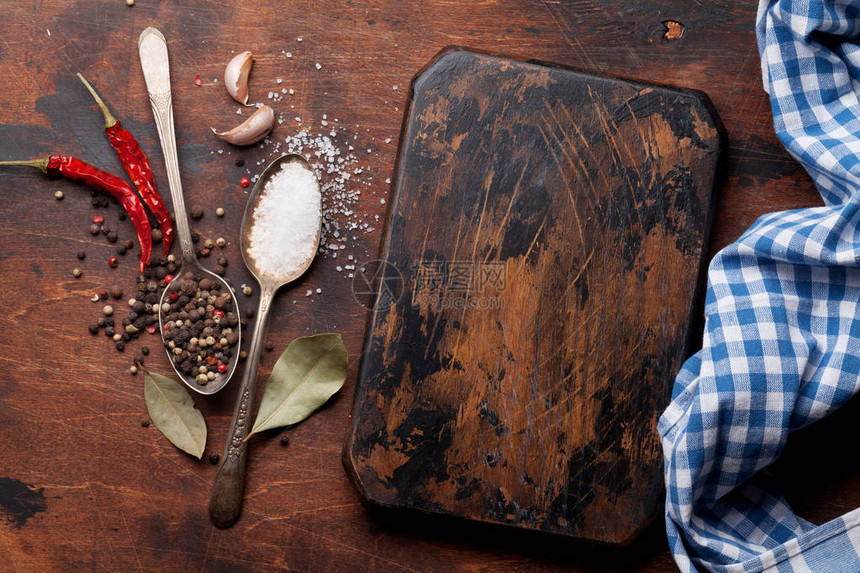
(539, 276)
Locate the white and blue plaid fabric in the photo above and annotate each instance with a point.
(781, 347)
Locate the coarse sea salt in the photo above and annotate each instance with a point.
(286, 222)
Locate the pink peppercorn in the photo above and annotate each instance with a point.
(244, 182)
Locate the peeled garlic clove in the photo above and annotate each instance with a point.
(252, 129)
(236, 77)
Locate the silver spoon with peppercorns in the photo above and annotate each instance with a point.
(198, 315)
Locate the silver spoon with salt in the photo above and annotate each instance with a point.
(156, 72)
(280, 237)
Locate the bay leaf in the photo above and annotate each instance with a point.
(172, 411)
(306, 375)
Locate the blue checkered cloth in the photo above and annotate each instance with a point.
(781, 347)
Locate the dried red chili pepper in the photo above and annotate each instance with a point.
(137, 166)
(76, 170)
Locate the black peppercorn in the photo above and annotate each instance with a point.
(109, 331)
(223, 261)
(81, 255)
(196, 212)
(144, 423)
(94, 229)
(120, 345)
(94, 328)
(285, 440)
(240, 163)
(269, 346)
(122, 215)
(121, 250)
(112, 237)
(145, 350)
(214, 458)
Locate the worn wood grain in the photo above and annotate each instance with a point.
(84, 486)
(519, 376)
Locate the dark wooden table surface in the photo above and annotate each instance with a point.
(83, 484)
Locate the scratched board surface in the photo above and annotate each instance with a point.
(538, 280)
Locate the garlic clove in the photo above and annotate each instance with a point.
(236, 77)
(252, 129)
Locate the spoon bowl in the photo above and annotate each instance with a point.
(282, 187)
(156, 73)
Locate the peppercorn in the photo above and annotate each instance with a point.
(122, 216)
(115, 291)
(209, 244)
(121, 250)
(244, 182)
(98, 219)
(133, 370)
(156, 235)
(81, 255)
(129, 244)
(219, 211)
(269, 346)
(247, 291)
(109, 331)
(104, 229)
(58, 195)
(204, 253)
(214, 458)
(113, 262)
(107, 310)
(195, 237)
(103, 294)
(144, 423)
(221, 242)
(76, 272)
(94, 329)
(243, 355)
(196, 212)
(285, 440)
(102, 322)
(112, 237)
(240, 163)
(219, 270)
(145, 350)
(94, 229)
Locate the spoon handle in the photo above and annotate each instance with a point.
(156, 72)
(225, 502)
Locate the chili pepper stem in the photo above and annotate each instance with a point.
(40, 164)
(110, 120)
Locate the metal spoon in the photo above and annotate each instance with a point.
(225, 503)
(156, 73)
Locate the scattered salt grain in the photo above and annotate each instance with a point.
(279, 80)
(318, 66)
(289, 54)
(309, 293)
(286, 222)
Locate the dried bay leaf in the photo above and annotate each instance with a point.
(307, 374)
(172, 411)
